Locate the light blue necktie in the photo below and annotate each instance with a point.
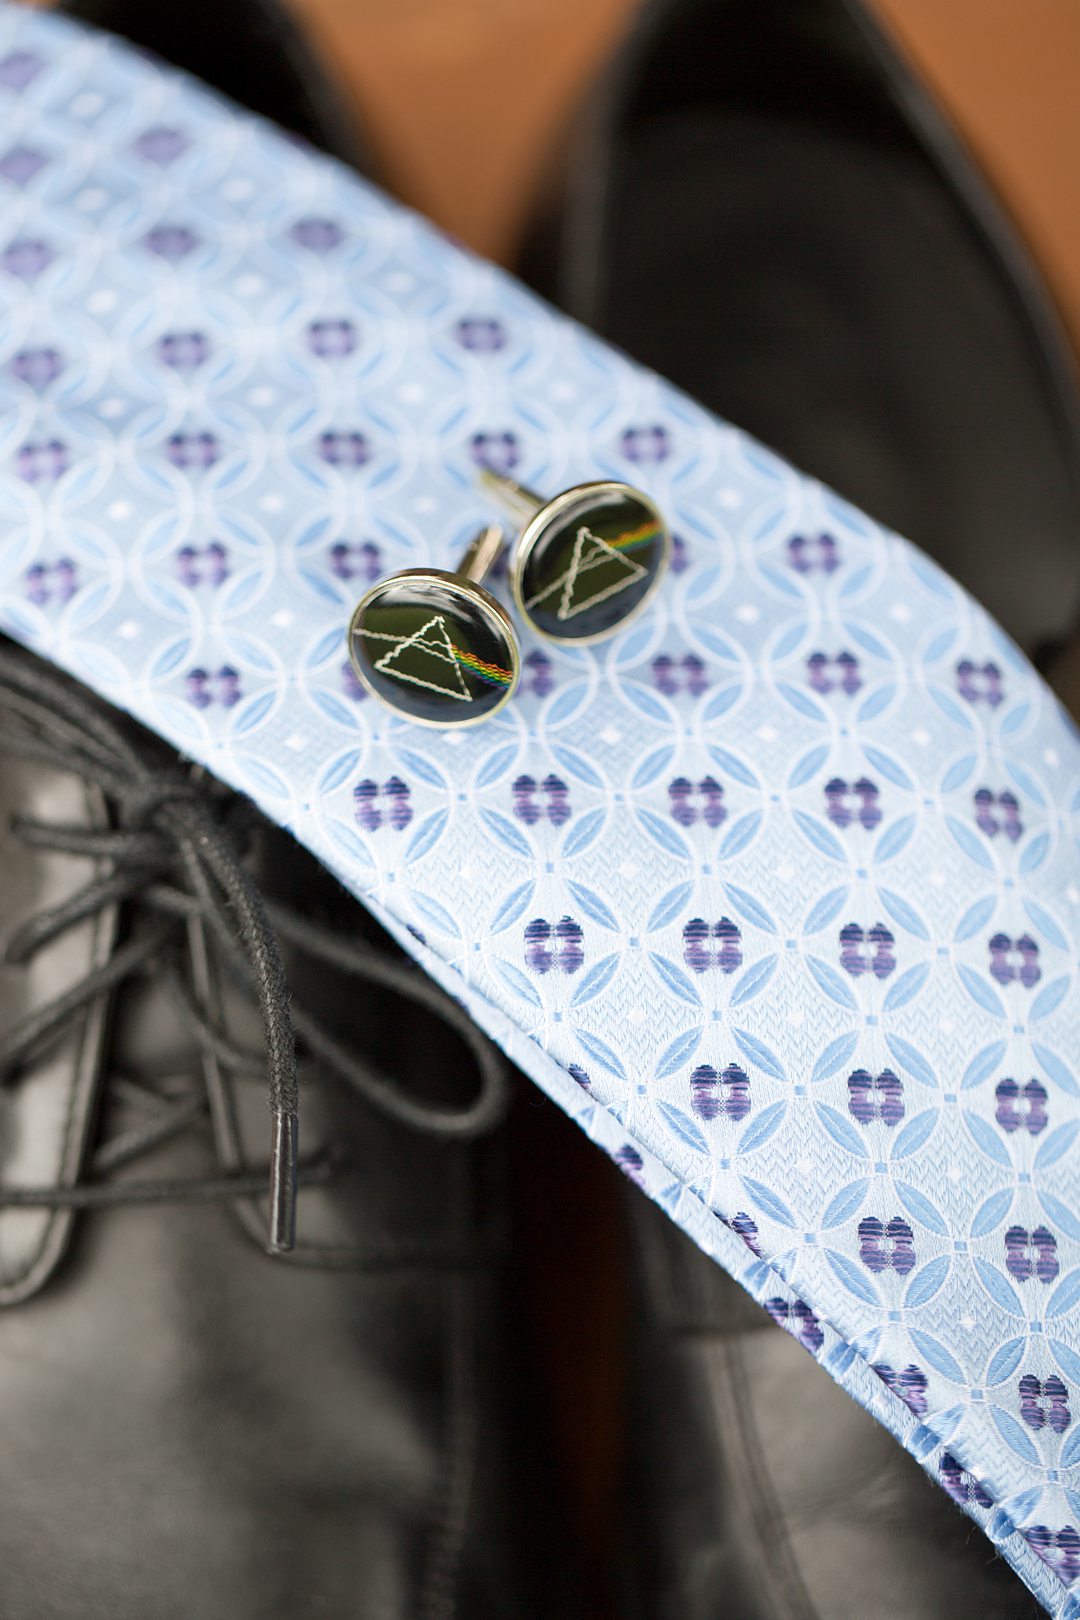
(777, 893)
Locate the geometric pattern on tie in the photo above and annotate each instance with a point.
(777, 893)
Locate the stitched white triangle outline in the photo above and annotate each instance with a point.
(440, 647)
(580, 563)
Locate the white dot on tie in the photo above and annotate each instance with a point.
(262, 396)
(628, 870)
(468, 874)
(411, 393)
(954, 1173)
(1051, 757)
(920, 737)
(119, 509)
(636, 1015)
(295, 742)
(562, 391)
(93, 197)
(282, 618)
(946, 1025)
(729, 498)
(610, 736)
(101, 301)
(967, 1323)
(248, 286)
(767, 734)
(128, 630)
(796, 1017)
(236, 190)
(425, 504)
(271, 503)
(938, 879)
(900, 612)
(785, 871)
(805, 1166)
(112, 408)
(400, 281)
(86, 105)
(748, 613)
(1072, 894)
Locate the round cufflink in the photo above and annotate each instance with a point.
(436, 647)
(587, 561)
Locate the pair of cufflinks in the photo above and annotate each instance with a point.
(441, 651)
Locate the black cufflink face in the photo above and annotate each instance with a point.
(589, 561)
(435, 647)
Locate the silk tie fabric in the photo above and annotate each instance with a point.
(777, 893)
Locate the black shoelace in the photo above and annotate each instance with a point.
(173, 847)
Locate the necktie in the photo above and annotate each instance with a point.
(777, 893)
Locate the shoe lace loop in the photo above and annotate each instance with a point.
(175, 848)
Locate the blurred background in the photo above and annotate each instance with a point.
(465, 101)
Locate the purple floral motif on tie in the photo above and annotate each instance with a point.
(1031, 1254)
(630, 1162)
(647, 446)
(193, 451)
(1021, 1107)
(171, 242)
(202, 565)
(350, 684)
(538, 676)
(798, 1320)
(998, 812)
(560, 947)
(42, 461)
(481, 334)
(205, 688)
(844, 804)
(363, 561)
(867, 950)
(818, 553)
(674, 675)
(909, 1383)
(387, 806)
(726, 1092)
(1015, 961)
(555, 806)
(36, 367)
(680, 554)
(498, 452)
(19, 68)
(979, 683)
(1044, 1403)
(875, 1097)
(887, 1245)
(712, 945)
(576, 1072)
(1058, 1548)
(21, 164)
(344, 448)
(183, 351)
(161, 145)
(318, 235)
(27, 257)
(961, 1485)
(690, 803)
(839, 674)
(745, 1227)
(55, 582)
(332, 340)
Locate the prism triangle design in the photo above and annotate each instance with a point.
(590, 555)
(426, 658)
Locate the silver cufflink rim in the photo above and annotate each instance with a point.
(539, 515)
(463, 584)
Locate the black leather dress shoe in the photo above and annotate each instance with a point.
(190, 1426)
(763, 203)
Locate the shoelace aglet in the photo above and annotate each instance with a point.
(284, 1158)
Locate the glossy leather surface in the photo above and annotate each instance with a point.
(764, 203)
(190, 1427)
(757, 1490)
